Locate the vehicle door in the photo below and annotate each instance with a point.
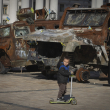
(6, 45)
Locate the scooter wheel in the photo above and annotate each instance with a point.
(74, 102)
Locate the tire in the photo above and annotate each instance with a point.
(74, 102)
(2, 69)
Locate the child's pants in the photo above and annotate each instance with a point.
(62, 90)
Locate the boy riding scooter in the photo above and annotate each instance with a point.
(62, 77)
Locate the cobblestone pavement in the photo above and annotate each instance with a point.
(32, 91)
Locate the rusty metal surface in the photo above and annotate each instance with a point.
(24, 13)
(70, 41)
(84, 34)
(41, 14)
(96, 34)
(12, 47)
(47, 24)
(84, 76)
(50, 35)
(14, 50)
(66, 36)
(78, 74)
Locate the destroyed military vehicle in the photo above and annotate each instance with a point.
(83, 35)
(13, 50)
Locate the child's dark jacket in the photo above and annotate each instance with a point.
(63, 73)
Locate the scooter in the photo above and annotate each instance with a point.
(72, 99)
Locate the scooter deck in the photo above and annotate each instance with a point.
(73, 101)
(56, 102)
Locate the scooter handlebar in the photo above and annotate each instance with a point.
(71, 75)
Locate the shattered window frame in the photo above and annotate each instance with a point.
(21, 28)
(39, 27)
(81, 24)
(2, 31)
(76, 22)
(98, 22)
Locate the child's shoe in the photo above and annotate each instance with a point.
(62, 98)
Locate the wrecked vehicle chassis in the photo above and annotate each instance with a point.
(13, 50)
(83, 36)
(53, 45)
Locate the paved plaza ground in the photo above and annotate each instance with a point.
(32, 91)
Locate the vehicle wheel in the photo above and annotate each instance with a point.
(74, 102)
(2, 69)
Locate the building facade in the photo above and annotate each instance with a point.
(8, 8)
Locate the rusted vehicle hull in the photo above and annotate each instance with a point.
(46, 24)
(95, 27)
(65, 42)
(14, 51)
(83, 35)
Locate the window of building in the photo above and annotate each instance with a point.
(105, 2)
(5, 7)
(89, 1)
(60, 17)
(61, 7)
(34, 5)
(19, 7)
(4, 22)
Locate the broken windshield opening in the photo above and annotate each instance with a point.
(4, 32)
(85, 19)
(94, 19)
(21, 31)
(75, 19)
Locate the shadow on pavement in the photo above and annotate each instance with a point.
(103, 79)
(31, 68)
(26, 107)
(67, 97)
(38, 75)
(41, 76)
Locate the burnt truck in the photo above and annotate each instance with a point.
(14, 50)
(83, 35)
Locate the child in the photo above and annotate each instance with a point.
(62, 77)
